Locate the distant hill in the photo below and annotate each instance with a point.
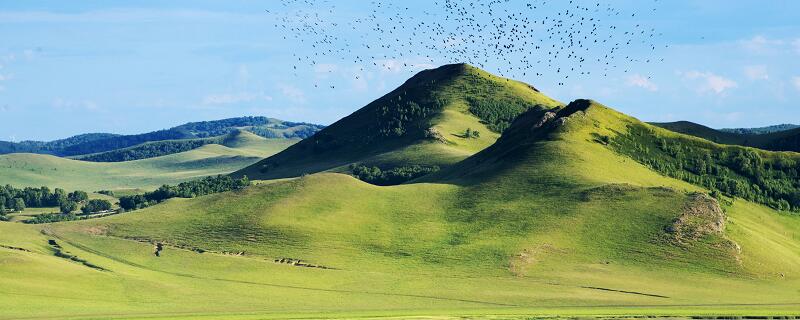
(230, 153)
(761, 130)
(423, 123)
(102, 142)
(51, 147)
(783, 140)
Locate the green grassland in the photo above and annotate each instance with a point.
(546, 221)
(240, 150)
(422, 122)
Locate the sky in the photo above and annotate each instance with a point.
(71, 67)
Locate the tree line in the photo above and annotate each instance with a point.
(769, 178)
(17, 200)
(188, 189)
(393, 176)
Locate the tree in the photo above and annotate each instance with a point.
(96, 205)
(78, 196)
(19, 205)
(2, 208)
(476, 134)
(58, 197)
(68, 206)
(468, 133)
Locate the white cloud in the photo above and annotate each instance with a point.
(796, 82)
(28, 54)
(758, 72)
(398, 66)
(640, 81)
(292, 93)
(243, 75)
(710, 82)
(63, 104)
(124, 15)
(234, 98)
(761, 44)
(325, 67)
(732, 116)
(4, 77)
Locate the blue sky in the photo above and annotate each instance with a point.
(69, 67)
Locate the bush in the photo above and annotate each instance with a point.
(106, 192)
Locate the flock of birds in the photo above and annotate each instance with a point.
(515, 38)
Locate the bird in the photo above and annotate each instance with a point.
(517, 38)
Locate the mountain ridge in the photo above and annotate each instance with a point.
(785, 140)
(94, 143)
(421, 123)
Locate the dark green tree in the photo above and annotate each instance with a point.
(68, 206)
(78, 196)
(96, 205)
(19, 205)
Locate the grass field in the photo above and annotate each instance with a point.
(23, 170)
(533, 226)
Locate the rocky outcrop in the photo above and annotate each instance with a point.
(701, 216)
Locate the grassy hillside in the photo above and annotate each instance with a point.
(235, 152)
(552, 219)
(782, 140)
(422, 122)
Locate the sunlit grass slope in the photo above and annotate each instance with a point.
(422, 122)
(237, 151)
(546, 221)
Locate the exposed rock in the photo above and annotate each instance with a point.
(701, 216)
(434, 134)
(545, 119)
(299, 263)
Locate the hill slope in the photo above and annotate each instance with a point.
(782, 140)
(237, 150)
(422, 122)
(95, 143)
(555, 218)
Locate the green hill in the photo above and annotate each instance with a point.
(104, 147)
(762, 130)
(557, 217)
(236, 151)
(421, 123)
(50, 147)
(781, 140)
